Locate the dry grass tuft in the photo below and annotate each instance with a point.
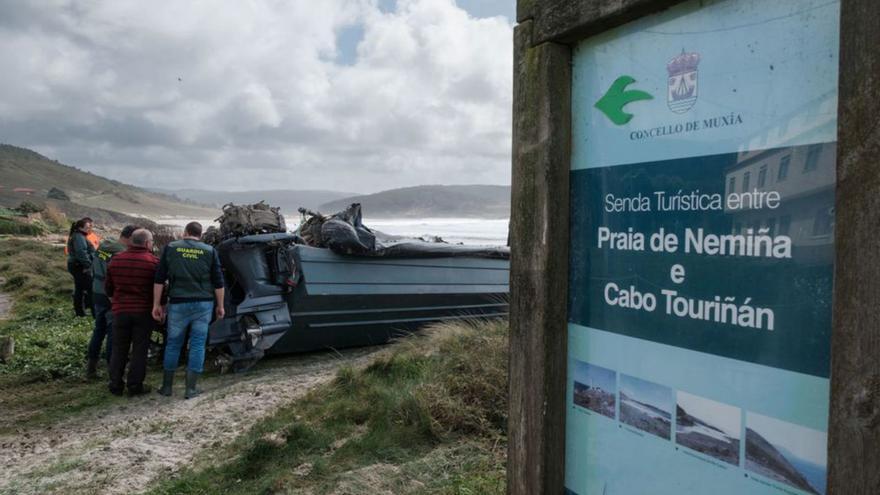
(429, 416)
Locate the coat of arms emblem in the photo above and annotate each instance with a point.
(682, 82)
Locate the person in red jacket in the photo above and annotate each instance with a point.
(129, 285)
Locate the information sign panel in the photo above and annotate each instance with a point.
(702, 194)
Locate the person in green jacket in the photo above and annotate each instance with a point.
(195, 294)
(79, 263)
(100, 302)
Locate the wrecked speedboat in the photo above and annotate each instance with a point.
(335, 283)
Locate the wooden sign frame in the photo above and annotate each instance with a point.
(539, 235)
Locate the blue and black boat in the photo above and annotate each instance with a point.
(285, 296)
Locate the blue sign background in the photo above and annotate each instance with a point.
(797, 289)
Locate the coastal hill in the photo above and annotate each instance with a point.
(288, 200)
(472, 201)
(28, 175)
(765, 459)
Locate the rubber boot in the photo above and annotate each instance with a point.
(167, 382)
(191, 379)
(92, 369)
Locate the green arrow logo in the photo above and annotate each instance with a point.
(617, 97)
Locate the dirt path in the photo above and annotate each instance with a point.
(5, 302)
(123, 448)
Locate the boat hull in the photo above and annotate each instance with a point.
(336, 301)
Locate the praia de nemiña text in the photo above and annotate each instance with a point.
(718, 309)
(750, 243)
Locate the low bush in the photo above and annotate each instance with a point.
(56, 219)
(12, 226)
(58, 194)
(8, 213)
(29, 207)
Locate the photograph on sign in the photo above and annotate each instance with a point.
(595, 388)
(646, 406)
(707, 426)
(787, 452)
(702, 190)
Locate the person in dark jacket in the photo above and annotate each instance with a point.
(100, 302)
(129, 286)
(79, 263)
(195, 291)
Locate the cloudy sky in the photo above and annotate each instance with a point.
(351, 95)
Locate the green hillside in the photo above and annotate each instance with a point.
(474, 201)
(289, 200)
(22, 168)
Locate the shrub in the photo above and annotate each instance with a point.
(58, 194)
(55, 218)
(10, 226)
(28, 207)
(7, 213)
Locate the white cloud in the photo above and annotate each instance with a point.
(252, 94)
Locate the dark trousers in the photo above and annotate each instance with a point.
(103, 328)
(82, 288)
(131, 334)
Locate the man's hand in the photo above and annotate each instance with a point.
(159, 313)
(219, 310)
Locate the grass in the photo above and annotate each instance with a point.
(26, 405)
(49, 341)
(62, 466)
(43, 381)
(428, 417)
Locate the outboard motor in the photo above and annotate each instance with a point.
(259, 271)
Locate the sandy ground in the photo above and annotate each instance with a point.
(123, 448)
(5, 302)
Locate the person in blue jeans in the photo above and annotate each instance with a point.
(195, 293)
(101, 306)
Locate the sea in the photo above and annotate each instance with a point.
(816, 475)
(470, 231)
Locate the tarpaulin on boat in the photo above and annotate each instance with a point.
(345, 233)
